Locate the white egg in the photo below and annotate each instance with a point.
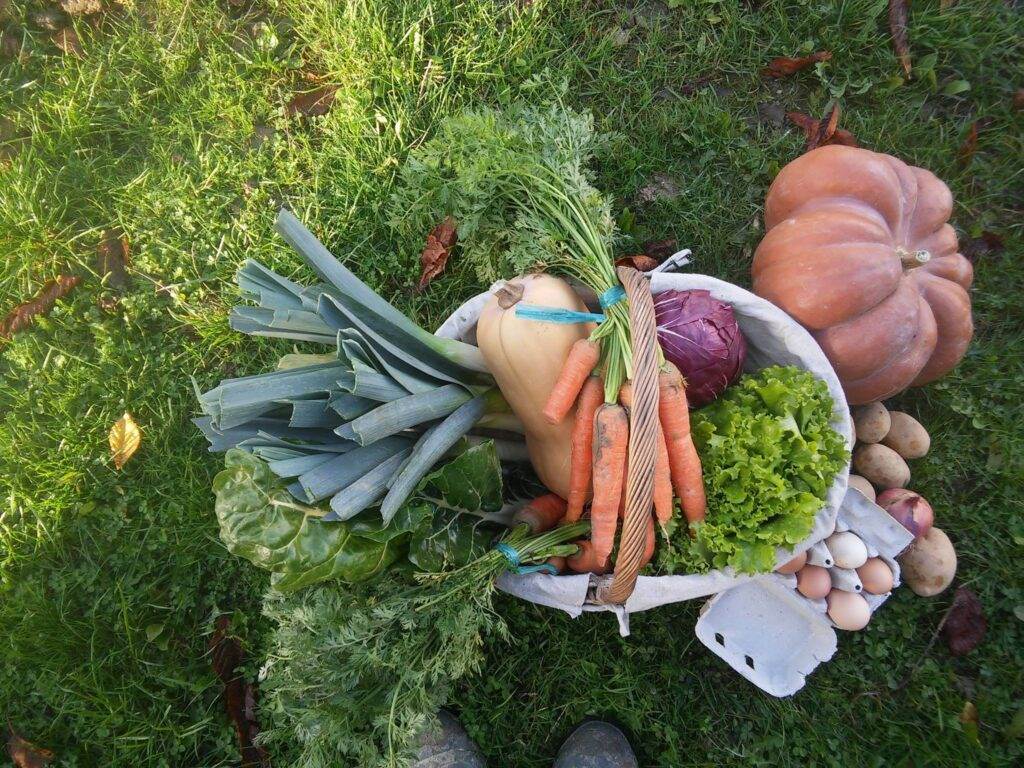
(848, 610)
(848, 551)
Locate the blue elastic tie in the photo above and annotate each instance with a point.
(509, 552)
(613, 295)
(556, 315)
(512, 556)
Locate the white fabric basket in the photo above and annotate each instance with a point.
(773, 338)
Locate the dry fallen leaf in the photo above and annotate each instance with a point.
(784, 66)
(312, 103)
(81, 7)
(67, 40)
(23, 314)
(435, 253)
(239, 694)
(965, 625)
(966, 152)
(988, 244)
(822, 132)
(639, 261)
(969, 721)
(25, 754)
(1018, 99)
(113, 257)
(899, 10)
(125, 438)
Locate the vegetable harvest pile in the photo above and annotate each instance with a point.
(363, 475)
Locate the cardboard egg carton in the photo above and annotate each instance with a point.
(774, 636)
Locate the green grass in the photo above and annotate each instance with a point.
(152, 132)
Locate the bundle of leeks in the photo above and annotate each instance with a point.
(358, 425)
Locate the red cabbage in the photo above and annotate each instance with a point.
(700, 336)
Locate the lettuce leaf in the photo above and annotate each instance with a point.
(769, 457)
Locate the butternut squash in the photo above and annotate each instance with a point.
(525, 357)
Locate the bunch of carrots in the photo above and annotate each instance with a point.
(600, 443)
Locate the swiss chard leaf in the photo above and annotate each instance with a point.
(445, 523)
(261, 522)
(461, 495)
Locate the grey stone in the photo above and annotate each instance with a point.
(596, 744)
(447, 746)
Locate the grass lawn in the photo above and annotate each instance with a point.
(170, 126)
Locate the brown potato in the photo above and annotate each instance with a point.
(871, 422)
(906, 436)
(882, 466)
(862, 485)
(929, 564)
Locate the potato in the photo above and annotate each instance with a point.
(862, 485)
(929, 564)
(871, 422)
(906, 436)
(882, 466)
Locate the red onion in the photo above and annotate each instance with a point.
(909, 509)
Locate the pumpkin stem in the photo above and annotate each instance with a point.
(911, 259)
(509, 295)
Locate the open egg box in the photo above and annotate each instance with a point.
(773, 635)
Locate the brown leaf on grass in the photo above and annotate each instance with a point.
(660, 249)
(899, 10)
(988, 244)
(113, 257)
(125, 438)
(67, 40)
(25, 754)
(965, 626)
(819, 133)
(1018, 99)
(969, 721)
(81, 7)
(239, 695)
(966, 152)
(639, 261)
(784, 66)
(23, 314)
(435, 253)
(312, 103)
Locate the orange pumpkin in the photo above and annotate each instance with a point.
(858, 249)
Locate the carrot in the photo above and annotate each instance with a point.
(558, 562)
(611, 437)
(671, 375)
(626, 394)
(582, 359)
(582, 454)
(662, 480)
(648, 543)
(542, 513)
(684, 463)
(586, 559)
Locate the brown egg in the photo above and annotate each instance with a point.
(848, 610)
(813, 581)
(876, 576)
(793, 565)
